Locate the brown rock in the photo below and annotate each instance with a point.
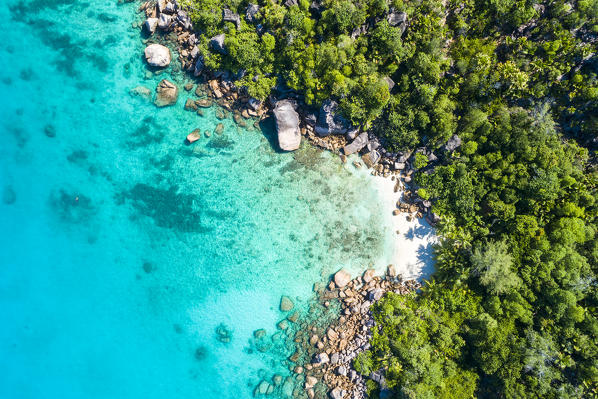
(368, 275)
(342, 278)
(167, 93)
(219, 128)
(190, 105)
(194, 136)
(189, 86)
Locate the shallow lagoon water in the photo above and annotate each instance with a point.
(122, 249)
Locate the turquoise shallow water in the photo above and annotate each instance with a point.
(122, 249)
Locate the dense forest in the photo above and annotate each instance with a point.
(511, 309)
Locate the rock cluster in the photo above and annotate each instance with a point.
(329, 351)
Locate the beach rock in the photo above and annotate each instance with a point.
(194, 136)
(184, 20)
(357, 144)
(251, 13)
(217, 44)
(341, 370)
(165, 21)
(337, 393)
(371, 158)
(321, 358)
(150, 25)
(219, 128)
(368, 275)
(168, 93)
(229, 16)
(342, 278)
(286, 304)
(287, 126)
(391, 271)
(310, 381)
(157, 55)
(329, 121)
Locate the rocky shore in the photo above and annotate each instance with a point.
(322, 364)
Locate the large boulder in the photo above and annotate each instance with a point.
(357, 144)
(167, 93)
(395, 18)
(453, 143)
(150, 25)
(342, 278)
(199, 65)
(287, 125)
(251, 13)
(371, 158)
(157, 55)
(217, 43)
(330, 121)
(229, 16)
(165, 21)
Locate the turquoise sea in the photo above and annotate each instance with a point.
(122, 250)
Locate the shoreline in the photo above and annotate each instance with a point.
(322, 363)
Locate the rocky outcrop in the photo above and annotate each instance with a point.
(150, 25)
(251, 13)
(229, 16)
(217, 44)
(453, 143)
(330, 121)
(287, 125)
(342, 278)
(194, 136)
(167, 93)
(198, 67)
(371, 158)
(357, 144)
(165, 21)
(157, 55)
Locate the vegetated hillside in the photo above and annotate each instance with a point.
(511, 311)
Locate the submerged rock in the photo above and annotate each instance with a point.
(286, 304)
(141, 91)
(50, 130)
(167, 93)
(157, 55)
(223, 333)
(287, 126)
(9, 196)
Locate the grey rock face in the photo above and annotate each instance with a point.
(183, 20)
(150, 25)
(251, 13)
(453, 143)
(396, 18)
(371, 158)
(229, 16)
(357, 144)
(217, 44)
(157, 55)
(330, 121)
(287, 126)
(198, 68)
(165, 21)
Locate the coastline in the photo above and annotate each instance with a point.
(325, 346)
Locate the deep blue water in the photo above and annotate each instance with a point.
(121, 249)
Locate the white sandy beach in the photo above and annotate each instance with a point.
(411, 252)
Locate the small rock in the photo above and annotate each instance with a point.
(368, 275)
(219, 128)
(283, 324)
(298, 370)
(259, 333)
(194, 136)
(190, 105)
(337, 393)
(189, 86)
(310, 381)
(50, 131)
(321, 358)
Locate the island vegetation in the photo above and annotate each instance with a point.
(511, 310)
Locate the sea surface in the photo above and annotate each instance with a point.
(122, 250)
